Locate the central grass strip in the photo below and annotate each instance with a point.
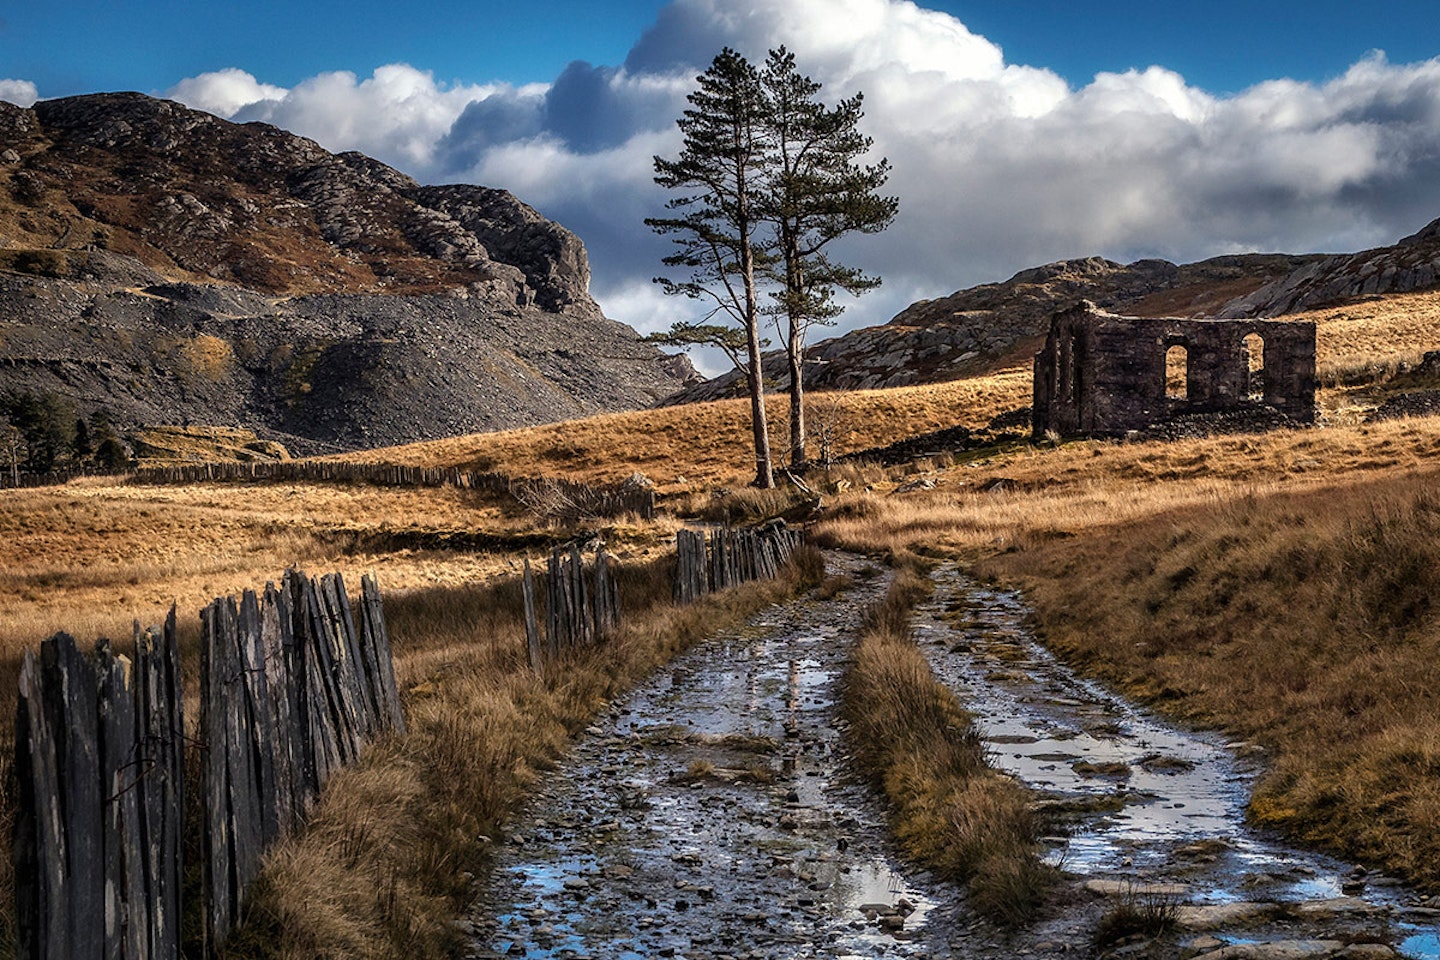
(914, 742)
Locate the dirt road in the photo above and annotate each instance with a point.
(710, 815)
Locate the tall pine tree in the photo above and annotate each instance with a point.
(714, 220)
(818, 191)
(768, 177)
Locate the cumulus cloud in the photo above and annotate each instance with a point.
(398, 114)
(224, 92)
(998, 166)
(22, 93)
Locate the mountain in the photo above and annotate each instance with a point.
(979, 328)
(1411, 264)
(169, 266)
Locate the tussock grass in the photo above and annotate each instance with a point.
(388, 857)
(1136, 915)
(919, 748)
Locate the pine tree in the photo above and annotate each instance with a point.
(769, 177)
(714, 220)
(818, 191)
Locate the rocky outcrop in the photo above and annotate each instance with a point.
(976, 329)
(196, 197)
(170, 266)
(1410, 265)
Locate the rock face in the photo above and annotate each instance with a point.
(1412, 264)
(171, 266)
(975, 329)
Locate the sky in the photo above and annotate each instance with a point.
(1019, 132)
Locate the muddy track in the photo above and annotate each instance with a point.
(711, 815)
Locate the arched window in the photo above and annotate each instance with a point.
(1177, 373)
(1255, 368)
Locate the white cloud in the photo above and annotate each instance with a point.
(224, 92)
(398, 114)
(998, 166)
(22, 93)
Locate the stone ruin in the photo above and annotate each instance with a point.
(1108, 375)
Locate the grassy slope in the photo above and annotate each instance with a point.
(680, 448)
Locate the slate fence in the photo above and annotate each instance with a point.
(551, 497)
(291, 690)
(24, 479)
(580, 611)
(729, 558)
(293, 684)
(100, 769)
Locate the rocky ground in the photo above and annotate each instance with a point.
(711, 816)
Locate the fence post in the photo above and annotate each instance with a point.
(532, 625)
(553, 616)
(583, 612)
(159, 731)
(376, 639)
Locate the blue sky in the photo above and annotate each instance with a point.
(1222, 46)
(1019, 132)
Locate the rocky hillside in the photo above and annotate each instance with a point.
(170, 266)
(976, 329)
(1411, 264)
(982, 327)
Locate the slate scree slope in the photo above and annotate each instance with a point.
(171, 267)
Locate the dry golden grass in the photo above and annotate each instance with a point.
(1076, 488)
(161, 445)
(919, 748)
(92, 556)
(1374, 330)
(709, 443)
(1306, 620)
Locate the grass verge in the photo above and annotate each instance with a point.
(915, 744)
(390, 854)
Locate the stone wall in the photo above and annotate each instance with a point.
(1105, 374)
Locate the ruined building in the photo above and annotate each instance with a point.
(1104, 374)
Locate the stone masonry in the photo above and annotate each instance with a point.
(1105, 374)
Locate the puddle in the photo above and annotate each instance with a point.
(711, 816)
(1421, 946)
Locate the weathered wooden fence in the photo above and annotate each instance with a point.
(549, 496)
(291, 690)
(98, 846)
(579, 611)
(293, 685)
(733, 557)
(324, 471)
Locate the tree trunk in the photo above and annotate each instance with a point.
(764, 473)
(794, 350)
